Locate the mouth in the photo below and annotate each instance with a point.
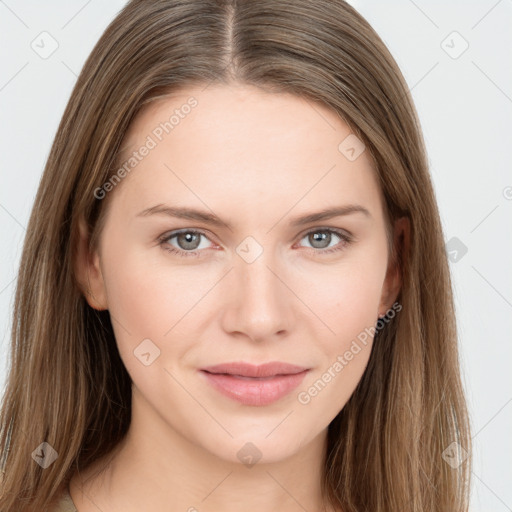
(255, 385)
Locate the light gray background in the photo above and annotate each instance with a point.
(465, 107)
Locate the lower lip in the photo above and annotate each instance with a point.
(255, 391)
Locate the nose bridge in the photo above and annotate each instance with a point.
(258, 305)
(256, 279)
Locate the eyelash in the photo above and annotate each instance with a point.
(346, 240)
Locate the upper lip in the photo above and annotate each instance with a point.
(251, 370)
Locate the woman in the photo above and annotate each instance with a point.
(233, 292)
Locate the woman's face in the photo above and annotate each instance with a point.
(246, 280)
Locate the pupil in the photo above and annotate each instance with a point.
(319, 237)
(187, 239)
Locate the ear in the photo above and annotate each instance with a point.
(88, 271)
(393, 280)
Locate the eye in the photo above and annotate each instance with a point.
(188, 242)
(321, 238)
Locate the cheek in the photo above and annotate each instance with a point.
(348, 305)
(144, 289)
(138, 299)
(141, 302)
(345, 296)
(151, 298)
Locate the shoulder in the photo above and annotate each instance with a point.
(64, 503)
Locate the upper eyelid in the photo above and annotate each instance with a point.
(171, 234)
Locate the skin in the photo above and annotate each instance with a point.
(256, 160)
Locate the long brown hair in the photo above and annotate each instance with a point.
(67, 385)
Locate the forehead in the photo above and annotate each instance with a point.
(237, 115)
(246, 146)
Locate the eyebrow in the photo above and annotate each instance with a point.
(210, 218)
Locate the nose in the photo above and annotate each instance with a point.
(258, 303)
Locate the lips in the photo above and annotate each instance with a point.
(253, 384)
(251, 370)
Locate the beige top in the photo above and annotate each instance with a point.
(65, 504)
